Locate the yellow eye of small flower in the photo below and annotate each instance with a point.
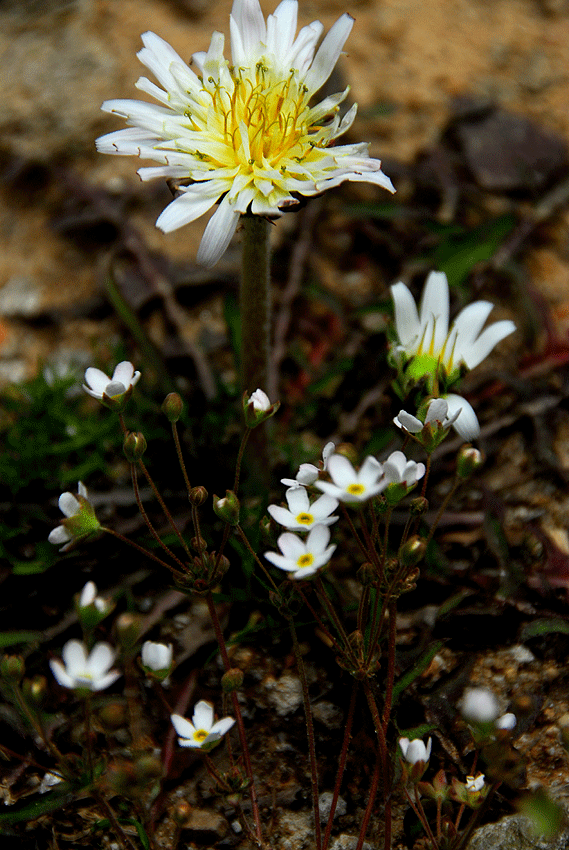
(305, 519)
(305, 560)
(200, 735)
(355, 489)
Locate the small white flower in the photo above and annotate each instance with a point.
(480, 705)
(475, 783)
(308, 473)
(414, 751)
(202, 733)
(80, 669)
(303, 558)
(301, 515)
(350, 486)
(398, 470)
(80, 520)
(244, 132)
(260, 401)
(437, 411)
(157, 656)
(97, 384)
(425, 336)
(89, 597)
(506, 721)
(49, 781)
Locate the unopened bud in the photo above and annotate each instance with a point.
(412, 552)
(257, 408)
(12, 667)
(147, 768)
(232, 680)
(134, 446)
(113, 715)
(172, 407)
(227, 508)
(128, 629)
(199, 544)
(35, 690)
(418, 506)
(468, 461)
(367, 574)
(198, 496)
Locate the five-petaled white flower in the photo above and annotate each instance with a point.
(243, 131)
(202, 733)
(398, 470)
(415, 751)
(97, 384)
(308, 473)
(301, 515)
(350, 486)
(425, 337)
(85, 671)
(157, 656)
(303, 558)
(80, 521)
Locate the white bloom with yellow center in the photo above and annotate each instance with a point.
(243, 131)
(202, 733)
(303, 558)
(350, 486)
(301, 515)
(82, 670)
(424, 334)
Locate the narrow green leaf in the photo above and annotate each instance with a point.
(11, 638)
(544, 627)
(31, 811)
(416, 670)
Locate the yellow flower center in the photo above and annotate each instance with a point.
(305, 519)
(355, 489)
(259, 125)
(200, 735)
(305, 560)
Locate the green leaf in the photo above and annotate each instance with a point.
(11, 638)
(421, 665)
(546, 815)
(544, 627)
(31, 811)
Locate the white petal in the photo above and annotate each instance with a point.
(318, 539)
(435, 305)
(280, 561)
(124, 373)
(490, 337)
(341, 471)
(370, 470)
(218, 234)
(408, 422)
(291, 546)
(281, 27)
(88, 594)
(328, 53)
(59, 535)
(222, 726)
(96, 380)
(437, 410)
(297, 499)
(100, 659)
(183, 727)
(186, 207)
(407, 322)
(394, 467)
(282, 516)
(466, 425)
(307, 474)
(203, 715)
(61, 674)
(68, 504)
(74, 657)
(247, 26)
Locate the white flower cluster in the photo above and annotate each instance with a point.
(303, 558)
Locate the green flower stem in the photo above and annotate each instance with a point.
(255, 303)
(180, 456)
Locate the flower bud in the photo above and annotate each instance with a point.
(12, 668)
(468, 461)
(172, 407)
(198, 496)
(113, 715)
(367, 574)
(227, 508)
(35, 690)
(134, 446)
(257, 408)
(412, 552)
(232, 680)
(419, 506)
(157, 660)
(128, 629)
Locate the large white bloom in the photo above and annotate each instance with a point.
(424, 334)
(243, 131)
(301, 515)
(202, 733)
(97, 384)
(82, 670)
(303, 558)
